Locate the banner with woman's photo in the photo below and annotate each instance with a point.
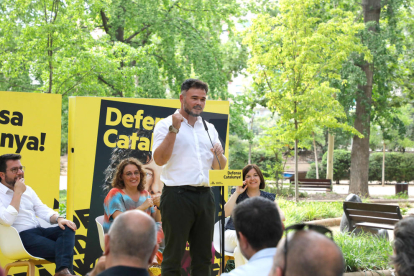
(102, 133)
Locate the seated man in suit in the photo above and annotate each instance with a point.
(19, 207)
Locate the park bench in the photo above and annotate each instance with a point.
(313, 184)
(368, 215)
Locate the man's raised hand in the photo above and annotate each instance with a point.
(177, 118)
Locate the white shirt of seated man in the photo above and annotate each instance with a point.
(19, 204)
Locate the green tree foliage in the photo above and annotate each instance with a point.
(118, 48)
(372, 90)
(293, 54)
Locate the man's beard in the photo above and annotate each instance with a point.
(189, 112)
(10, 181)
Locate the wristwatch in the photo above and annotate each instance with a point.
(58, 218)
(173, 129)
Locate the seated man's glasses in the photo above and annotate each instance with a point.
(16, 169)
(298, 227)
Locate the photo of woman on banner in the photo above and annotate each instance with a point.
(128, 193)
(153, 183)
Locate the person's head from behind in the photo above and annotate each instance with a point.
(10, 168)
(129, 173)
(308, 253)
(258, 225)
(253, 176)
(193, 96)
(132, 238)
(403, 258)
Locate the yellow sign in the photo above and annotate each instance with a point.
(225, 178)
(30, 125)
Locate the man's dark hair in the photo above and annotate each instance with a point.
(193, 83)
(6, 157)
(259, 221)
(404, 247)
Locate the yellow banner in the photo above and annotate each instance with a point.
(103, 131)
(30, 125)
(225, 178)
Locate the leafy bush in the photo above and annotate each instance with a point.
(341, 166)
(364, 252)
(398, 166)
(311, 174)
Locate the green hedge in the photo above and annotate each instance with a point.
(398, 166)
(341, 166)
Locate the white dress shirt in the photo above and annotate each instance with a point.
(30, 207)
(191, 158)
(259, 264)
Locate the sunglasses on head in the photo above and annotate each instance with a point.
(299, 227)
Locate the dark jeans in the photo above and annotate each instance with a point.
(187, 215)
(53, 244)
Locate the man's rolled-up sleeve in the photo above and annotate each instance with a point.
(7, 214)
(160, 131)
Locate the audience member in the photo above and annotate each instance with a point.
(258, 229)
(19, 206)
(403, 258)
(130, 246)
(308, 253)
(253, 184)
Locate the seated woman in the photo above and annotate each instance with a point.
(253, 181)
(129, 193)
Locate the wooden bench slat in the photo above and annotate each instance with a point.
(372, 207)
(312, 185)
(373, 213)
(313, 180)
(373, 219)
(375, 225)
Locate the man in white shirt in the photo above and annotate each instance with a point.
(19, 206)
(259, 229)
(182, 146)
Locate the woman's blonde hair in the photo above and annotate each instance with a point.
(117, 181)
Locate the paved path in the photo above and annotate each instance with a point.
(374, 190)
(63, 184)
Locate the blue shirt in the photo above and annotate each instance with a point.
(259, 264)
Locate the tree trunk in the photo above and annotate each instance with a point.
(251, 141)
(329, 157)
(316, 156)
(383, 164)
(296, 171)
(360, 147)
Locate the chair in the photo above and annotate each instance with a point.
(12, 248)
(216, 241)
(99, 222)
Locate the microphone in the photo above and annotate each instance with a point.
(206, 128)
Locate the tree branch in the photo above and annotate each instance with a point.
(104, 21)
(110, 85)
(128, 40)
